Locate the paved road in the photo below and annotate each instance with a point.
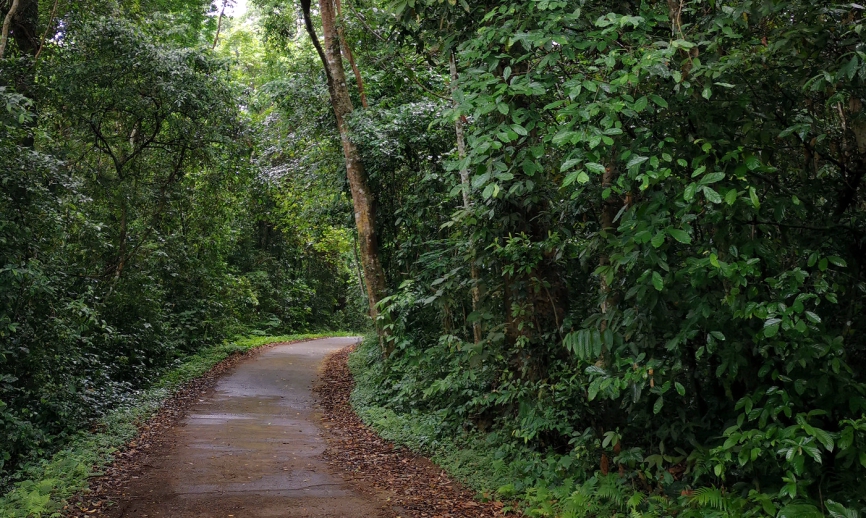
(251, 448)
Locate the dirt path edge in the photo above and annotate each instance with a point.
(415, 485)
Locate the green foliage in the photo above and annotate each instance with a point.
(666, 231)
(660, 252)
(136, 226)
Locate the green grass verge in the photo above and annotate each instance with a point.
(46, 485)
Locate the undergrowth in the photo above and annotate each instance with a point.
(44, 486)
(543, 484)
(475, 460)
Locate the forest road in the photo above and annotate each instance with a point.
(251, 448)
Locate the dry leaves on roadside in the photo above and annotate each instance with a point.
(417, 487)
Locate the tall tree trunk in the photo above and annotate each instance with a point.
(467, 202)
(47, 29)
(7, 23)
(219, 24)
(362, 197)
(347, 51)
(608, 213)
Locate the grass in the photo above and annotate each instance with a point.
(46, 485)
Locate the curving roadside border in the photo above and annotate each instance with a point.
(415, 486)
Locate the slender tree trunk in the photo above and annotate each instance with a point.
(362, 197)
(21, 23)
(24, 25)
(47, 28)
(357, 265)
(121, 245)
(458, 129)
(7, 23)
(347, 51)
(608, 213)
(467, 202)
(219, 24)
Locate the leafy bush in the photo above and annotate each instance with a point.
(666, 231)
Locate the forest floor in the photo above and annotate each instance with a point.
(252, 440)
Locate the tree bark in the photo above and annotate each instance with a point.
(608, 213)
(219, 25)
(467, 202)
(47, 29)
(21, 23)
(7, 22)
(362, 197)
(347, 51)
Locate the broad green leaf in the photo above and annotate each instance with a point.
(658, 282)
(636, 160)
(575, 176)
(711, 195)
(753, 195)
(838, 261)
(658, 101)
(595, 167)
(838, 510)
(771, 327)
(568, 164)
(690, 191)
(712, 178)
(680, 235)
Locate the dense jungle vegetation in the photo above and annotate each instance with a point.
(614, 247)
(148, 208)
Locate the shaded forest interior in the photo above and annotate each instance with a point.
(615, 248)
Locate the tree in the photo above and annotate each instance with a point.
(362, 197)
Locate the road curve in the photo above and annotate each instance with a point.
(251, 448)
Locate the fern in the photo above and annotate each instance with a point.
(611, 489)
(583, 501)
(710, 497)
(636, 499)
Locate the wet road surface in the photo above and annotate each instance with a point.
(251, 448)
